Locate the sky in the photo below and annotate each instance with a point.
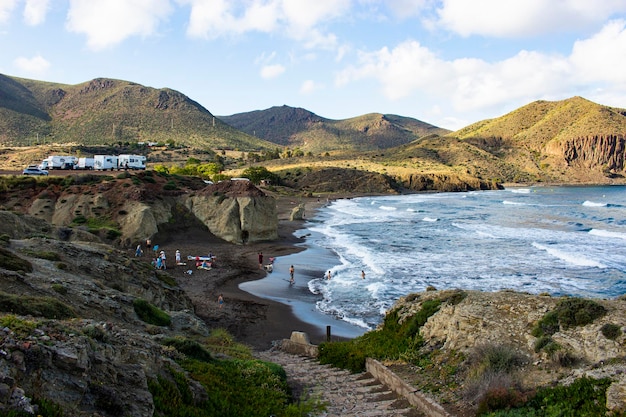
(445, 62)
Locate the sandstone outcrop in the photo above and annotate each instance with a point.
(469, 320)
(118, 209)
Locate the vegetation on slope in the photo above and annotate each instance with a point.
(301, 129)
(106, 111)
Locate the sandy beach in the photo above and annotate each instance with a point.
(251, 319)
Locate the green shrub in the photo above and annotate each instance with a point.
(48, 255)
(611, 331)
(12, 262)
(584, 397)
(151, 314)
(96, 332)
(59, 288)
(190, 348)
(569, 312)
(391, 341)
(17, 325)
(25, 305)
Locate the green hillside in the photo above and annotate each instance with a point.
(299, 128)
(105, 111)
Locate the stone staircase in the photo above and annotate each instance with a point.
(346, 394)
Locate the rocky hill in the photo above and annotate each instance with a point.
(302, 129)
(573, 139)
(107, 111)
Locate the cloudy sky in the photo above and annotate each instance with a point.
(446, 62)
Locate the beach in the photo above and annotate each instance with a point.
(253, 320)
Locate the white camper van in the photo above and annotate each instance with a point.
(132, 162)
(84, 163)
(104, 162)
(58, 162)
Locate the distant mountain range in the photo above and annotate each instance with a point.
(300, 128)
(572, 140)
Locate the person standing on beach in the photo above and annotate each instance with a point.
(328, 275)
(138, 251)
(178, 260)
(261, 260)
(162, 256)
(220, 300)
(362, 274)
(291, 272)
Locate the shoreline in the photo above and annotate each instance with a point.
(251, 319)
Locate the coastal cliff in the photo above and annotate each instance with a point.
(128, 209)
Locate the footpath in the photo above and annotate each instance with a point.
(344, 393)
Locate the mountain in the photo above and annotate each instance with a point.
(571, 138)
(300, 128)
(106, 111)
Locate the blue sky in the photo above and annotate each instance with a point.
(445, 62)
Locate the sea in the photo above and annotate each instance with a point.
(561, 240)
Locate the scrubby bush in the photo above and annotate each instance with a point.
(569, 312)
(391, 341)
(150, 313)
(12, 262)
(611, 331)
(24, 305)
(190, 348)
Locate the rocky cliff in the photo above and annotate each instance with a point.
(130, 208)
(74, 337)
(466, 322)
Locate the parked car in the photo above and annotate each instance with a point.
(34, 170)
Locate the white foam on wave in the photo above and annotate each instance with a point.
(594, 204)
(388, 208)
(520, 190)
(376, 289)
(571, 258)
(429, 219)
(514, 203)
(607, 233)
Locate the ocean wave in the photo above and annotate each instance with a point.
(388, 208)
(514, 203)
(429, 219)
(607, 233)
(588, 203)
(571, 258)
(520, 190)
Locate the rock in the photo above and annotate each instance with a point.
(297, 213)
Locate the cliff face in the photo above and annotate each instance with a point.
(96, 354)
(235, 211)
(605, 153)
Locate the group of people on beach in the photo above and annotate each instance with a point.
(159, 258)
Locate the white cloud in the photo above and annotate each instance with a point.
(36, 65)
(310, 86)
(595, 68)
(211, 19)
(35, 11)
(6, 8)
(296, 19)
(603, 56)
(406, 8)
(517, 18)
(272, 71)
(109, 22)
